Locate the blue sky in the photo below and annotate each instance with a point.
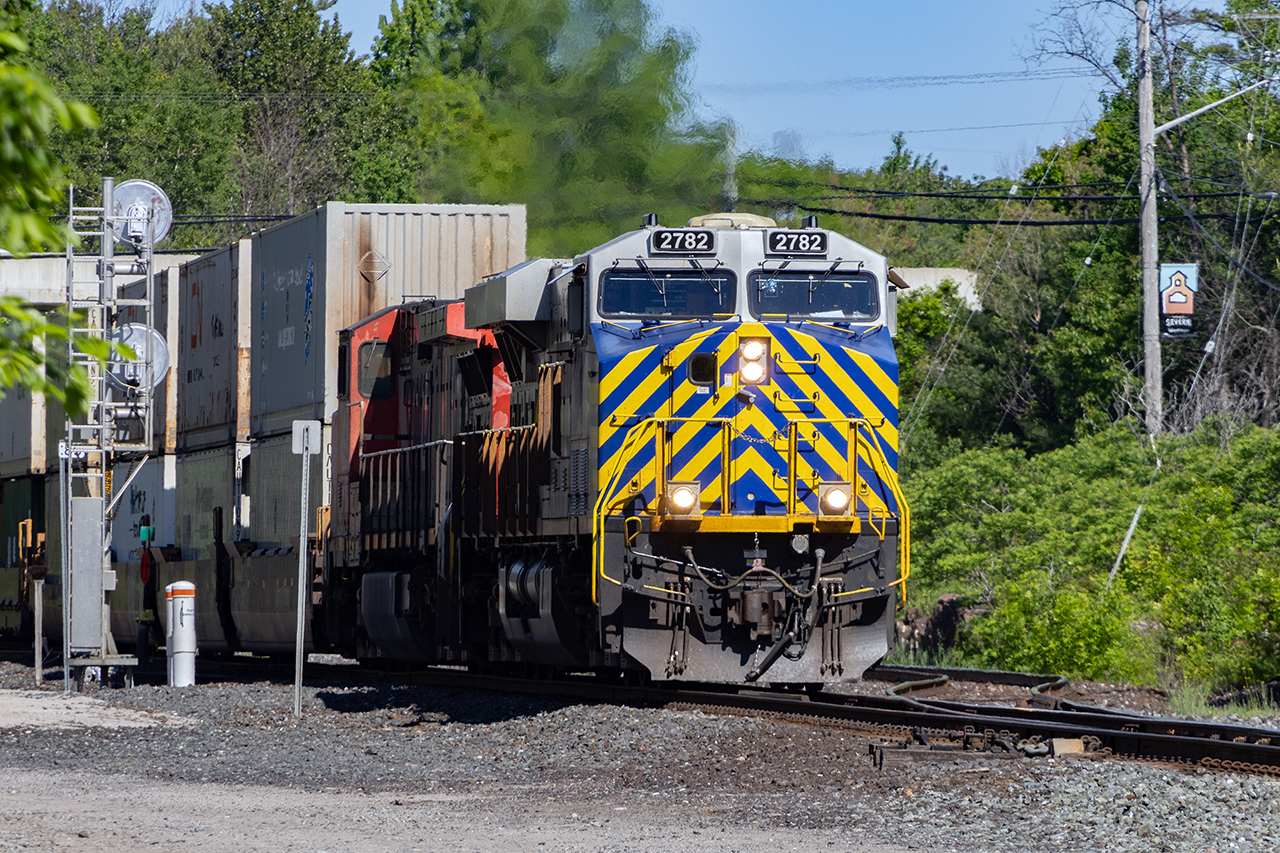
(836, 78)
(794, 77)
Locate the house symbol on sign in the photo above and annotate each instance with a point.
(1177, 297)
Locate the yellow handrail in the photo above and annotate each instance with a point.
(888, 475)
(608, 500)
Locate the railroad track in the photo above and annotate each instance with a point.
(924, 728)
(907, 727)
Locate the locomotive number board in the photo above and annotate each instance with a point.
(684, 241)
(791, 243)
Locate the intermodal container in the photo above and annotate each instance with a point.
(321, 272)
(213, 348)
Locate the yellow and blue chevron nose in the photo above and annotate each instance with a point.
(759, 415)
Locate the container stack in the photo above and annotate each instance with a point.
(252, 331)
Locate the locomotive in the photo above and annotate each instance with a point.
(673, 456)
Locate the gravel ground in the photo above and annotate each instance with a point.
(401, 768)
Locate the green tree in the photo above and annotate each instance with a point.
(161, 116)
(31, 180)
(32, 348)
(576, 108)
(30, 184)
(306, 102)
(1032, 543)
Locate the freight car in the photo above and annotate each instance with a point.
(672, 456)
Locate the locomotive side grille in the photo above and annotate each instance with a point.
(578, 481)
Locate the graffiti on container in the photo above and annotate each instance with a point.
(215, 327)
(306, 313)
(284, 337)
(137, 500)
(195, 374)
(290, 279)
(197, 299)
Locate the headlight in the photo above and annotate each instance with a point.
(753, 358)
(834, 498)
(683, 498)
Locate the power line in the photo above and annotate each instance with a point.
(1062, 307)
(1056, 198)
(856, 133)
(918, 406)
(939, 220)
(997, 192)
(905, 82)
(1195, 221)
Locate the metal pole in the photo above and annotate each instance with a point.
(1153, 385)
(37, 611)
(64, 501)
(302, 576)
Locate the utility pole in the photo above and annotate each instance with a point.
(1153, 385)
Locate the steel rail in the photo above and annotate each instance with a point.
(1115, 733)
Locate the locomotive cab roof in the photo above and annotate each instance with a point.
(732, 220)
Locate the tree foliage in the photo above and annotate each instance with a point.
(31, 111)
(303, 98)
(576, 108)
(1033, 541)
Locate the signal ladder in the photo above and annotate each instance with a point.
(118, 423)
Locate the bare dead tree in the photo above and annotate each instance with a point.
(289, 162)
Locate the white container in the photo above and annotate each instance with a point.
(180, 633)
(321, 272)
(152, 493)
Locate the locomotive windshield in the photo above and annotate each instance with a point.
(376, 379)
(666, 293)
(815, 294)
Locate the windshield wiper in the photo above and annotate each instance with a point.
(717, 284)
(662, 288)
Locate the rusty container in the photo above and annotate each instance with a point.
(324, 270)
(213, 339)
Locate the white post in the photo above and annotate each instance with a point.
(180, 601)
(306, 443)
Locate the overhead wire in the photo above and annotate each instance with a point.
(918, 407)
(1084, 267)
(943, 220)
(993, 193)
(993, 197)
(1195, 221)
(907, 425)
